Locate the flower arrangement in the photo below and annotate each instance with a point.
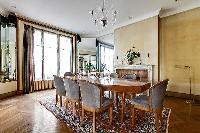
(131, 55)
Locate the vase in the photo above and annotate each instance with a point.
(130, 62)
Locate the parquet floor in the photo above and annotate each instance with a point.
(22, 114)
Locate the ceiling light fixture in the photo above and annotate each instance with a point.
(105, 15)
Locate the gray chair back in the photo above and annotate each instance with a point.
(157, 94)
(114, 75)
(90, 95)
(59, 84)
(129, 76)
(69, 74)
(72, 89)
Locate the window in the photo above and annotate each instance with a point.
(106, 57)
(38, 54)
(52, 55)
(65, 54)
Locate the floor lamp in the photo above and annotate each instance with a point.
(190, 80)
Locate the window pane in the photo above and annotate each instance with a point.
(37, 54)
(50, 55)
(65, 54)
(107, 58)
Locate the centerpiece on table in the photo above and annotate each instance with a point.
(131, 55)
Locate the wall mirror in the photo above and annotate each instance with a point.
(87, 55)
(8, 48)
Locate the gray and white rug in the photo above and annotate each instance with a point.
(143, 125)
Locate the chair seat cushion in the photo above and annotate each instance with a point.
(141, 100)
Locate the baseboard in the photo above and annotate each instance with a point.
(182, 95)
(20, 92)
(7, 95)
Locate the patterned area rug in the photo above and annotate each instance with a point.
(145, 124)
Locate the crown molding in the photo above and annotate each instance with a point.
(169, 12)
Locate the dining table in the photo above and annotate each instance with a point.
(118, 85)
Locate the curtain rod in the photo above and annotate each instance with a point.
(45, 25)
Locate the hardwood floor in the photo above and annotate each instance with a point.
(22, 114)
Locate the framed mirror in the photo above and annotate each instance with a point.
(87, 55)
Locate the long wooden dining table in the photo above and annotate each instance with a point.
(118, 85)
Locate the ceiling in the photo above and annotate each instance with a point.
(73, 15)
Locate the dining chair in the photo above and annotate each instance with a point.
(152, 103)
(72, 93)
(113, 75)
(68, 74)
(60, 88)
(129, 76)
(93, 101)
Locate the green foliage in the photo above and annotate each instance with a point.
(131, 55)
(102, 67)
(89, 66)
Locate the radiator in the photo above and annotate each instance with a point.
(42, 85)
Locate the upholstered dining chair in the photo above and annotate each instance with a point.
(129, 76)
(72, 93)
(60, 88)
(68, 74)
(93, 101)
(113, 75)
(152, 103)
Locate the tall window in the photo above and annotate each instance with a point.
(106, 57)
(38, 54)
(51, 57)
(65, 54)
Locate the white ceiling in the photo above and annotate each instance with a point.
(73, 15)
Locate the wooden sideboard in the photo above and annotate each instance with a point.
(143, 72)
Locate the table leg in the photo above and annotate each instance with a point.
(116, 100)
(123, 106)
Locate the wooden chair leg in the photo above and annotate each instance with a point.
(94, 122)
(160, 116)
(111, 115)
(133, 115)
(157, 121)
(82, 117)
(79, 107)
(61, 101)
(73, 106)
(56, 99)
(66, 104)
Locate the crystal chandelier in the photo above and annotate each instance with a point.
(104, 16)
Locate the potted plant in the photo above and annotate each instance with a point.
(131, 55)
(89, 67)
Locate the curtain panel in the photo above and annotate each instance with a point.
(28, 71)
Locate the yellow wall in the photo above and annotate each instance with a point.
(144, 36)
(179, 47)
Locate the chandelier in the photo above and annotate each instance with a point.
(104, 16)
